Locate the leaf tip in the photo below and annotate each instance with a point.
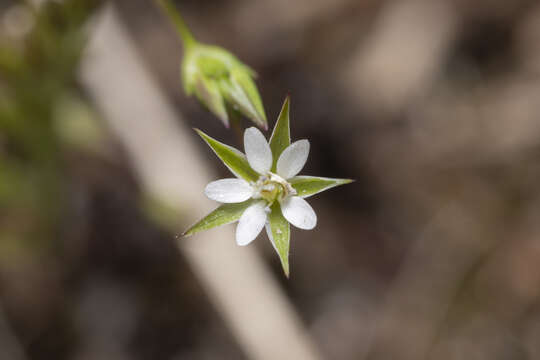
(286, 271)
(285, 108)
(201, 133)
(224, 118)
(186, 233)
(287, 100)
(285, 264)
(259, 118)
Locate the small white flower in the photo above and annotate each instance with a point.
(267, 192)
(268, 188)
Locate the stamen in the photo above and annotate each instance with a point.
(272, 187)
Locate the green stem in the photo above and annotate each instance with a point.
(179, 23)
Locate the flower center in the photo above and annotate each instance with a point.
(271, 187)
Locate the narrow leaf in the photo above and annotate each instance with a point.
(224, 214)
(235, 161)
(279, 232)
(306, 186)
(281, 135)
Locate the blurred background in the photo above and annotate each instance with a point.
(433, 106)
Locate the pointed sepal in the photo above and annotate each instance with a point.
(200, 76)
(222, 81)
(209, 94)
(307, 186)
(281, 135)
(243, 95)
(224, 214)
(279, 233)
(235, 161)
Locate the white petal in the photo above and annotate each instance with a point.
(251, 223)
(258, 151)
(292, 159)
(299, 213)
(229, 190)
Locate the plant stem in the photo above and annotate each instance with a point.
(178, 22)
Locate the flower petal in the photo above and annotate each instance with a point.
(229, 190)
(299, 213)
(251, 223)
(258, 151)
(292, 159)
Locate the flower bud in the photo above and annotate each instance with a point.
(222, 83)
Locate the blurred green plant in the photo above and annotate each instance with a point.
(37, 69)
(221, 82)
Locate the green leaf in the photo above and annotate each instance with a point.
(235, 161)
(279, 232)
(224, 214)
(281, 135)
(306, 186)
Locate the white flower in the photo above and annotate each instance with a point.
(267, 191)
(268, 188)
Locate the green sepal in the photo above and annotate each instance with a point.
(224, 214)
(279, 232)
(307, 186)
(215, 71)
(209, 94)
(235, 161)
(189, 72)
(213, 61)
(281, 135)
(242, 92)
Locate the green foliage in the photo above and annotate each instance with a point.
(36, 70)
